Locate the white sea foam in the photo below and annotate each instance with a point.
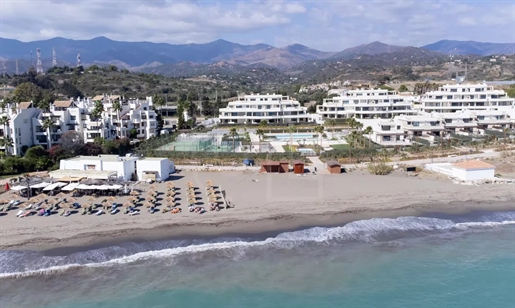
(365, 231)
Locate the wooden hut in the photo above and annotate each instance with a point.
(284, 166)
(334, 167)
(274, 166)
(270, 167)
(298, 166)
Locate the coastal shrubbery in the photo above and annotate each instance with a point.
(380, 168)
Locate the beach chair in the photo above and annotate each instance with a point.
(84, 211)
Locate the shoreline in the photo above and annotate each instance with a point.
(266, 204)
(256, 229)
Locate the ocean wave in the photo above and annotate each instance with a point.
(371, 230)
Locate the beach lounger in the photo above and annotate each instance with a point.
(68, 213)
(27, 213)
(114, 211)
(20, 212)
(100, 212)
(134, 213)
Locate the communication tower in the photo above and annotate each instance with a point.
(17, 69)
(78, 59)
(54, 57)
(39, 67)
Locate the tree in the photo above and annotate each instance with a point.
(260, 133)
(263, 124)
(319, 129)
(117, 107)
(48, 125)
(71, 143)
(368, 131)
(26, 92)
(331, 123)
(233, 133)
(403, 88)
(7, 143)
(291, 131)
(97, 110)
(39, 156)
(207, 108)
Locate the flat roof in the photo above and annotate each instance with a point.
(154, 158)
(473, 164)
(102, 157)
(90, 174)
(333, 163)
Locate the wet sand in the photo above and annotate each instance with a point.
(264, 203)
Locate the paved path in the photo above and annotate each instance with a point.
(316, 162)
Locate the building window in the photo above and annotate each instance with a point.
(91, 167)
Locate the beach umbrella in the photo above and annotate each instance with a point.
(134, 193)
(132, 199)
(43, 195)
(86, 205)
(3, 201)
(61, 195)
(148, 204)
(153, 186)
(92, 199)
(71, 199)
(127, 204)
(112, 199)
(31, 200)
(52, 201)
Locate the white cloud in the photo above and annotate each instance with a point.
(327, 25)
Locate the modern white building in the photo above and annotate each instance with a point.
(101, 166)
(273, 108)
(471, 170)
(366, 104)
(154, 168)
(26, 125)
(466, 97)
(387, 132)
(123, 168)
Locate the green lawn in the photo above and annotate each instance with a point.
(340, 146)
(287, 148)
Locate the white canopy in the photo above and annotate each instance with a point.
(70, 186)
(99, 187)
(18, 187)
(54, 186)
(40, 185)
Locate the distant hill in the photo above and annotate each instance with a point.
(140, 54)
(471, 48)
(378, 48)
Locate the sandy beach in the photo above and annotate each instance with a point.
(263, 203)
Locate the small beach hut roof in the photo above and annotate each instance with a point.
(333, 163)
(473, 164)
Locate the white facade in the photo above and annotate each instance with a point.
(125, 167)
(386, 132)
(25, 125)
(273, 108)
(366, 104)
(162, 167)
(466, 97)
(472, 170)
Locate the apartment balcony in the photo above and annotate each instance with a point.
(428, 127)
(459, 124)
(494, 121)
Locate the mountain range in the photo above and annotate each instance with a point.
(147, 55)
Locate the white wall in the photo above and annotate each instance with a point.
(444, 168)
(473, 174)
(162, 167)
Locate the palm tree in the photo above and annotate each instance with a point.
(48, 125)
(368, 131)
(291, 130)
(332, 124)
(233, 133)
(260, 133)
(118, 107)
(319, 129)
(7, 143)
(4, 121)
(359, 126)
(263, 124)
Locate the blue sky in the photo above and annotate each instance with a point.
(329, 25)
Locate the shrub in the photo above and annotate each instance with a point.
(380, 168)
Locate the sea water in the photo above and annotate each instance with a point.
(452, 261)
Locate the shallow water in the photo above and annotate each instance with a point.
(465, 261)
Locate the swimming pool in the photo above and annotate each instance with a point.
(296, 136)
(307, 151)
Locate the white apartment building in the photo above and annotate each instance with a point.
(463, 97)
(366, 104)
(386, 132)
(273, 108)
(25, 125)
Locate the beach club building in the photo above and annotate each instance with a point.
(114, 167)
(471, 170)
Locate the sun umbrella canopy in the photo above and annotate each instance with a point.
(134, 193)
